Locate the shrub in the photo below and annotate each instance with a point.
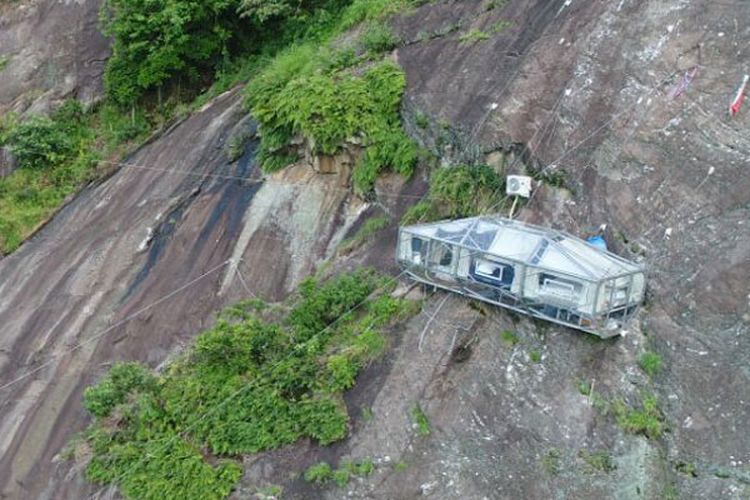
(112, 390)
(341, 477)
(584, 387)
(343, 372)
(465, 190)
(687, 468)
(40, 143)
(322, 472)
(372, 10)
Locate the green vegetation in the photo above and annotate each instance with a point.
(460, 191)
(670, 492)
(295, 96)
(422, 120)
(166, 51)
(364, 234)
(400, 466)
(509, 337)
(584, 387)
(323, 473)
(158, 42)
(535, 356)
(112, 390)
(687, 468)
(650, 363)
(495, 4)
(598, 461)
(269, 492)
(367, 414)
(55, 156)
(4, 60)
(473, 36)
(378, 38)
(319, 473)
(551, 461)
(248, 384)
(500, 26)
(648, 420)
(420, 421)
(327, 96)
(41, 142)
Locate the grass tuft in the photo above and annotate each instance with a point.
(421, 423)
(650, 363)
(598, 461)
(647, 420)
(509, 337)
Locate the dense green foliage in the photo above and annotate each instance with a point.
(459, 191)
(308, 94)
(330, 95)
(300, 85)
(40, 142)
(111, 391)
(248, 384)
(163, 42)
(155, 40)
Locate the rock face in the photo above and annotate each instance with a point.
(579, 92)
(50, 50)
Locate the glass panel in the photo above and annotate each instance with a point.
(418, 247)
(441, 255)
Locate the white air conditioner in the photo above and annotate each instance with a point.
(518, 185)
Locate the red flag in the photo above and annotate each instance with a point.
(735, 105)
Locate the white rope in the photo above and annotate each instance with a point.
(429, 321)
(112, 327)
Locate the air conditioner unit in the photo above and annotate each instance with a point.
(518, 185)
